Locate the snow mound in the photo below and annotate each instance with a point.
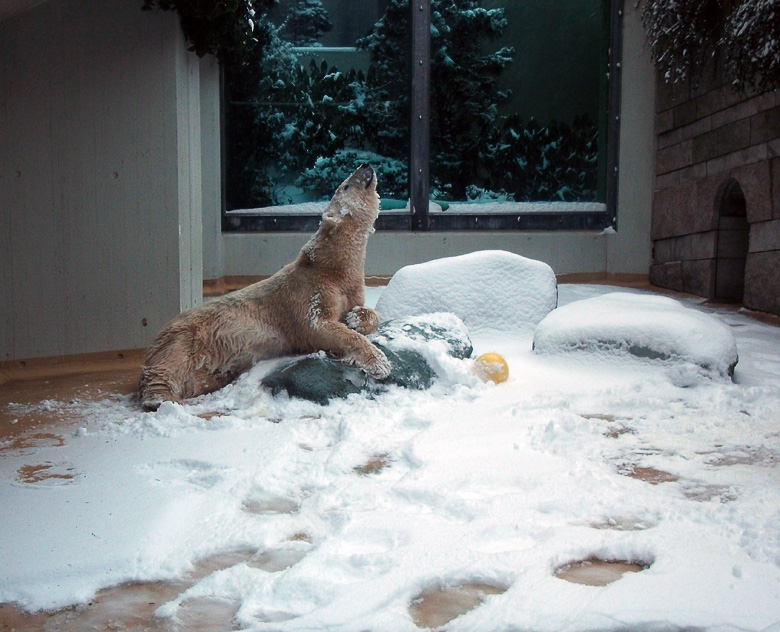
(488, 290)
(644, 327)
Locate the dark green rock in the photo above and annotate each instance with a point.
(320, 378)
(317, 378)
(410, 369)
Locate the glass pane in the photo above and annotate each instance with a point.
(330, 93)
(518, 102)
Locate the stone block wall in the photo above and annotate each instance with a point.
(716, 208)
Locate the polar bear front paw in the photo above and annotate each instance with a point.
(363, 320)
(379, 366)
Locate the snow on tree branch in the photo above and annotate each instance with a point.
(688, 36)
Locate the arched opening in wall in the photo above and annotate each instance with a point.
(732, 243)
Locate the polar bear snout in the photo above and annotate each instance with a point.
(365, 175)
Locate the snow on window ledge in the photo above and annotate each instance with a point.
(496, 207)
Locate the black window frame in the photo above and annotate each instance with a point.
(419, 219)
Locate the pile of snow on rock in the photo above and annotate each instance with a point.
(490, 290)
(641, 327)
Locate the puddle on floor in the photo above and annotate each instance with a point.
(761, 456)
(47, 474)
(374, 465)
(124, 607)
(617, 431)
(219, 561)
(301, 537)
(437, 606)
(706, 493)
(278, 560)
(649, 475)
(13, 618)
(600, 416)
(210, 415)
(206, 614)
(597, 572)
(614, 426)
(33, 441)
(131, 606)
(271, 561)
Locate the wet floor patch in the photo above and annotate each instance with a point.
(206, 614)
(614, 425)
(33, 441)
(649, 474)
(210, 415)
(374, 465)
(271, 560)
(702, 492)
(300, 536)
(47, 474)
(598, 572)
(14, 618)
(125, 607)
(131, 606)
(274, 561)
(219, 561)
(747, 455)
(438, 605)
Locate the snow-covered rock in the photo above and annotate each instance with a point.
(489, 290)
(638, 326)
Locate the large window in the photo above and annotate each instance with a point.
(475, 114)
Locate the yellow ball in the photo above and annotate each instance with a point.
(491, 366)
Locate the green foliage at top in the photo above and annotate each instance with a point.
(305, 23)
(464, 94)
(687, 36)
(296, 127)
(753, 41)
(229, 29)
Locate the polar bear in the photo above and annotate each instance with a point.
(314, 303)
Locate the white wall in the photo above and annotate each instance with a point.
(627, 252)
(100, 190)
(213, 259)
(248, 254)
(630, 250)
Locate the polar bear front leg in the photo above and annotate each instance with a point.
(352, 348)
(363, 320)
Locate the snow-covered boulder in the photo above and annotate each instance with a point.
(419, 350)
(643, 327)
(489, 290)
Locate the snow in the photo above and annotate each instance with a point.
(640, 328)
(492, 207)
(488, 290)
(498, 484)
